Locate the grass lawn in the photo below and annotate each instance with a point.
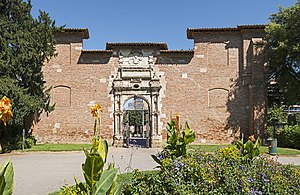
(58, 147)
(203, 147)
(282, 151)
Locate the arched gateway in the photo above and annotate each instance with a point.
(136, 80)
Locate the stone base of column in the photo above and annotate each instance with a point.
(118, 141)
(156, 141)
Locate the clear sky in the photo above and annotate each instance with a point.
(154, 20)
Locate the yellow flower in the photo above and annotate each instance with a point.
(96, 109)
(251, 138)
(5, 109)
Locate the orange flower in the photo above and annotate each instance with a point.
(177, 121)
(251, 138)
(96, 109)
(5, 109)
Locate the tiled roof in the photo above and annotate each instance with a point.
(162, 46)
(252, 26)
(84, 31)
(190, 31)
(96, 51)
(176, 51)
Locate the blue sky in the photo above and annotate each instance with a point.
(154, 20)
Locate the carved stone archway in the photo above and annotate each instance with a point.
(136, 77)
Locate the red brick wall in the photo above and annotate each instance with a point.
(210, 91)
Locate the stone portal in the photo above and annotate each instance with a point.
(136, 79)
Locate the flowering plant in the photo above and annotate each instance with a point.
(215, 173)
(250, 149)
(96, 113)
(5, 109)
(6, 169)
(98, 180)
(178, 138)
(177, 141)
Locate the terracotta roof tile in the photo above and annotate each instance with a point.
(84, 31)
(177, 51)
(96, 51)
(191, 31)
(252, 26)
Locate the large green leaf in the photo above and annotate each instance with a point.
(92, 169)
(156, 159)
(106, 180)
(189, 136)
(103, 149)
(100, 146)
(6, 178)
(115, 188)
(239, 144)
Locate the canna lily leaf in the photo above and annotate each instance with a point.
(106, 180)
(92, 169)
(6, 178)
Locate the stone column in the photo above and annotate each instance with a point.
(118, 137)
(156, 138)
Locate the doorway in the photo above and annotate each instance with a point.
(136, 122)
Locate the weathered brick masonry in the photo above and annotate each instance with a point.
(218, 87)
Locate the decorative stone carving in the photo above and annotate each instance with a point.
(121, 60)
(150, 60)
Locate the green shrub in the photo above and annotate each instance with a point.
(29, 142)
(15, 143)
(276, 114)
(289, 137)
(217, 173)
(228, 152)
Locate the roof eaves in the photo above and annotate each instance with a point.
(252, 26)
(162, 46)
(177, 51)
(96, 51)
(84, 31)
(191, 31)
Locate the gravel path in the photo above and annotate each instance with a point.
(40, 173)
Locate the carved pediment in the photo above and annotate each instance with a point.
(135, 58)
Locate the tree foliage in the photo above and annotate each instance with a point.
(25, 44)
(283, 49)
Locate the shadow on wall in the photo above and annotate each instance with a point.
(247, 99)
(94, 57)
(238, 108)
(175, 58)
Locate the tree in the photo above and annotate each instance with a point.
(283, 53)
(25, 44)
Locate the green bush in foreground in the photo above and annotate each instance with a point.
(223, 172)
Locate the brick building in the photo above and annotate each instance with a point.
(218, 87)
